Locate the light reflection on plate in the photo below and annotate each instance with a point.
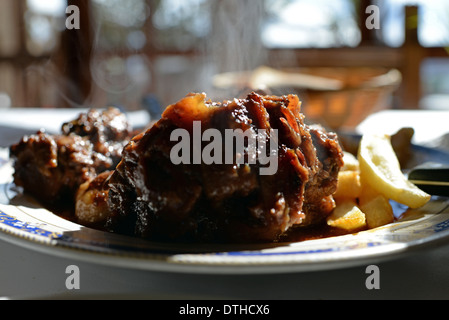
(24, 223)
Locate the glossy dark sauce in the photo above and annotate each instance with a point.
(319, 231)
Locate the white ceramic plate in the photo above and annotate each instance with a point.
(25, 223)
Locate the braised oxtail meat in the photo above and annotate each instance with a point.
(184, 179)
(108, 130)
(52, 167)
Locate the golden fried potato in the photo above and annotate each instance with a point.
(380, 167)
(377, 210)
(347, 215)
(367, 183)
(350, 162)
(367, 192)
(348, 185)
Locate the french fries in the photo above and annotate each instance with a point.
(378, 211)
(347, 215)
(367, 183)
(381, 169)
(350, 162)
(348, 185)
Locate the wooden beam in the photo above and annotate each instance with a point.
(412, 55)
(75, 56)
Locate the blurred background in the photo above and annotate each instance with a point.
(146, 54)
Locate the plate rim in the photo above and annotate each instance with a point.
(160, 262)
(162, 265)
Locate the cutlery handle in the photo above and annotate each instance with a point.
(431, 177)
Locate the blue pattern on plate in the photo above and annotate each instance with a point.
(27, 227)
(441, 226)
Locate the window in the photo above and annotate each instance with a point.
(433, 22)
(44, 21)
(181, 25)
(119, 68)
(29, 34)
(310, 24)
(118, 24)
(169, 47)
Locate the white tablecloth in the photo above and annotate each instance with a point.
(26, 273)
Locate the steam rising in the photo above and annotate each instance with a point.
(235, 42)
(122, 69)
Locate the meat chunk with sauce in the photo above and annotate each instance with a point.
(91, 202)
(153, 197)
(52, 167)
(108, 130)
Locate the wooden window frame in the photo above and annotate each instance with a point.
(75, 53)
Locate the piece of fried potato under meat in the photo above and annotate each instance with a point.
(347, 215)
(350, 162)
(348, 185)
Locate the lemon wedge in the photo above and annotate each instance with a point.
(380, 168)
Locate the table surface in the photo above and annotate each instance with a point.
(29, 274)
